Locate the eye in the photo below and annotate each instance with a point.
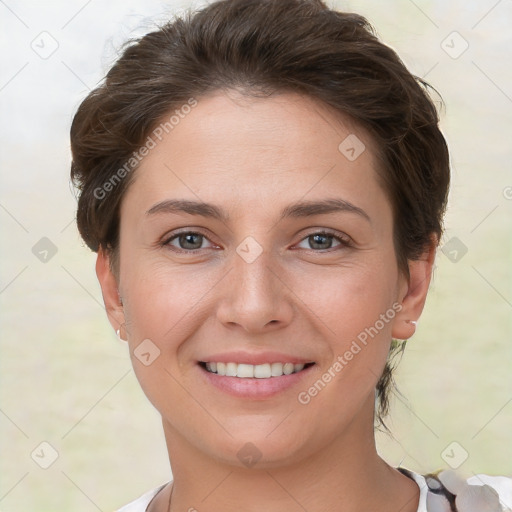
(191, 241)
(322, 240)
(187, 241)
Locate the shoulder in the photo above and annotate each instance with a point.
(449, 491)
(141, 503)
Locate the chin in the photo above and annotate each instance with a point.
(257, 449)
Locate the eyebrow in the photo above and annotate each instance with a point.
(299, 209)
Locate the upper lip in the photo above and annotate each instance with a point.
(255, 358)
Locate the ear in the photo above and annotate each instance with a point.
(414, 293)
(110, 292)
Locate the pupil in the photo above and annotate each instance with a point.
(316, 237)
(190, 237)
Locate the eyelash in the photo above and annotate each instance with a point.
(343, 239)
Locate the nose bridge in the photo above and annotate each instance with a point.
(253, 268)
(256, 296)
(253, 274)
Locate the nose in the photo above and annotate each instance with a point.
(255, 296)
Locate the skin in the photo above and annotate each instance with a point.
(253, 157)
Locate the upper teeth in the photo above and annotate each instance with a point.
(259, 371)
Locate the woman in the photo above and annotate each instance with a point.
(264, 183)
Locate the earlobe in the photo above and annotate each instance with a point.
(413, 300)
(110, 292)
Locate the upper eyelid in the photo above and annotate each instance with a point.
(171, 236)
(341, 237)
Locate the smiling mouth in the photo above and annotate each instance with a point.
(249, 371)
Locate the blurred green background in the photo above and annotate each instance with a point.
(66, 380)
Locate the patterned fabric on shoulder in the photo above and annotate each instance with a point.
(449, 492)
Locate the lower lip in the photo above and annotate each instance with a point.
(252, 387)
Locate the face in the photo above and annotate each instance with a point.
(291, 269)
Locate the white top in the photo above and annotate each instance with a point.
(500, 502)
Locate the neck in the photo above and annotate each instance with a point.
(345, 475)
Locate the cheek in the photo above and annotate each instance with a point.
(165, 296)
(359, 308)
(157, 312)
(166, 301)
(354, 298)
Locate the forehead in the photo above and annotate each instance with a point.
(251, 150)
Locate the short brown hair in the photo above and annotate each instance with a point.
(264, 47)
